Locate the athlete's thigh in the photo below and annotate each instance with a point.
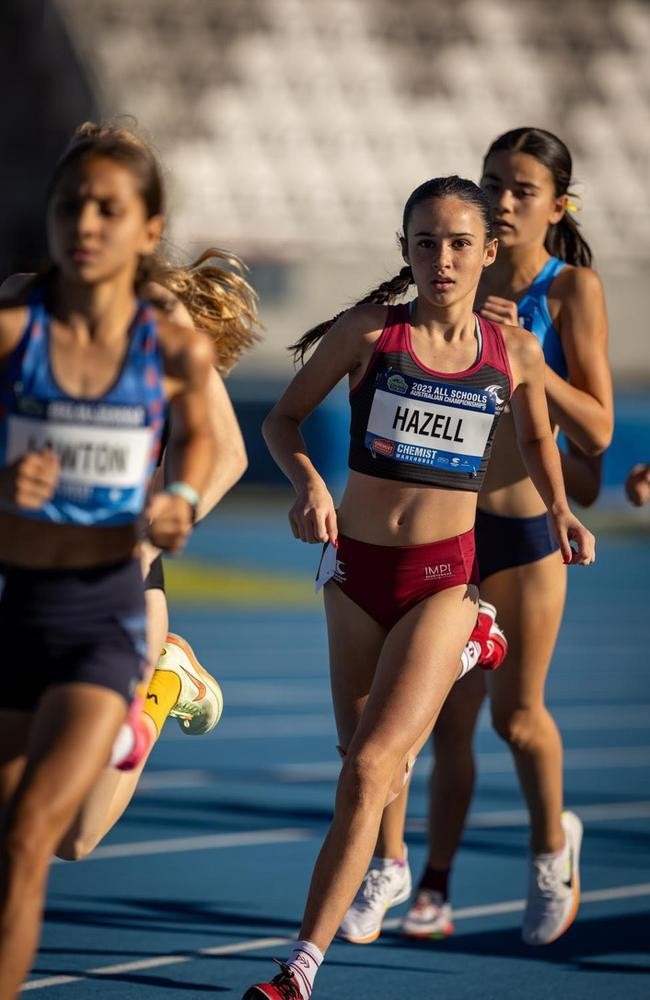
(457, 719)
(14, 735)
(417, 666)
(355, 641)
(530, 602)
(70, 740)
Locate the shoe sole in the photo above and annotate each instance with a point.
(210, 683)
(403, 896)
(575, 902)
(446, 932)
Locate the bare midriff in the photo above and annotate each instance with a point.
(41, 545)
(507, 490)
(387, 512)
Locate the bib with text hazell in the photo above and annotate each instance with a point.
(430, 423)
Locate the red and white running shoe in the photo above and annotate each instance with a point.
(284, 986)
(492, 640)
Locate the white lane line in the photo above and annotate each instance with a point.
(256, 695)
(265, 727)
(466, 913)
(519, 817)
(220, 841)
(208, 842)
(583, 759)
(157, 962)
(516, 905)
(583, 718)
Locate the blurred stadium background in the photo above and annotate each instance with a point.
(293, 130)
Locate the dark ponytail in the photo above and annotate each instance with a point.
(385, 293)
(388, 291)
(564, 239)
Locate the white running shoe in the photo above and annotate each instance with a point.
(386, 883)
(554, 888)
(200, 702)
(428, 917)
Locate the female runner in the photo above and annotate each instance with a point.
(213, 295)
(88, 373)
(218, 300)
(542, 280)
(428, 382)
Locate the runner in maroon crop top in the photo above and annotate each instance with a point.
(423, 414)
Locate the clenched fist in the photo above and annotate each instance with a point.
(31, 480)
(169, 519)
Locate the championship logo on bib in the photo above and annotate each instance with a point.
(431, 423)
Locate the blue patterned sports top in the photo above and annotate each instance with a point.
(107, 446)
(534, 315)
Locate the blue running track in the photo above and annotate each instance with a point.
(204, 878)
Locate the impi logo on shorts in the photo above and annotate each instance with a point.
(440, 572)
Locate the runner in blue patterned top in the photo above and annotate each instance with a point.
(106, 446)
(88, 372)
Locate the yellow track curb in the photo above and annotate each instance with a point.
(190, 581)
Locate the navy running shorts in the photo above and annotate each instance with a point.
(506, 542)
(67, 626)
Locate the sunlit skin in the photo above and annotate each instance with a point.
(98, 230)
(637, 484)
(388, 687)
(446, 248)
(524, 201)
(522, 194)
(97, 222)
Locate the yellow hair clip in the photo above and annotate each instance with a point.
(573, 206)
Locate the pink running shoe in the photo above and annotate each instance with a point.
(493, 643)
(428, 917)
(133, 740)
(284, 986)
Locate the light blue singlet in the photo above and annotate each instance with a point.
(534, 315)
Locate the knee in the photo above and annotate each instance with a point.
(370, 778)
(364, 780)
(26, 848)
(516, 726)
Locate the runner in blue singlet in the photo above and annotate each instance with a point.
(87, 372)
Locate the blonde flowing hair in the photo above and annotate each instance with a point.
(215, 292)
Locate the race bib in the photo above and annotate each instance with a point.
(89, 456)
(431, 423)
